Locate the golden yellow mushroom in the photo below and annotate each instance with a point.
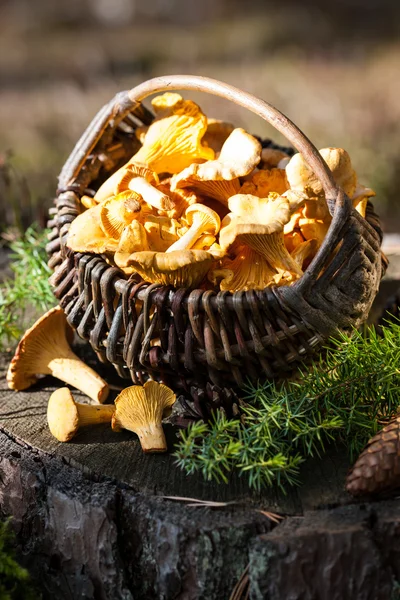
(133, 239)
(44, 349)
(218, 178)
(258, 223)
(181, 197)
(360, 198)
(271, 157)
(248, 270)
(183, 268)
(119, 211)
(263, 183)
(162, 232)
(217, 133)
(141, 410)
(65, 416)
(202, 220)
(173, 142)
(86, 234)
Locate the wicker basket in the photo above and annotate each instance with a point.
(222, 338)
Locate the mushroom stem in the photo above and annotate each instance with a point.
(190, 237)
(44, 349)
(90, 414)
(150, 194)
(70, 369)
(152, 438)
(65, 416)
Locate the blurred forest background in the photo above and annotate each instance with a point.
(333, 68)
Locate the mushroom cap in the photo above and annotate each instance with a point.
(265, 182)
(247, 271)
(181, 268)
(208, 216)
(133, 239)
(119, 211)
(47, 334)
(273, 211)
(217, 133)
(173, 141)
(141, 409)
(86, 235)
(218, 178)
(162, 232)
(181, 197)
(132, 170)
(301, 177)
(62, 415)
(271, 157)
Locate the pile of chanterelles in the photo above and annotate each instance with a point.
(201, 204)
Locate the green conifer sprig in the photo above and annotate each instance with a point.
(343, 398)
(28, 288)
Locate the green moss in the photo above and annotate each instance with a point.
(15, 582)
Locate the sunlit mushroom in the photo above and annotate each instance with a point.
(162, 232)
(143, 181)
(141, 410)
(182, 268)
(44, 349)
(65, 416)
(248, 270)
(217, 133)
(218, 178)
(181, 197)
(88, 201)
(264, 182)
(360, 198)
(173, 140)
(86, 234)
(119, 211)
(133, 239)
(303, 251)
(202, 220)
(271, 157)
(258, 223)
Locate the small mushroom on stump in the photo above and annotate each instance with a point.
(65, 416)
(141, 410)
(44, 349)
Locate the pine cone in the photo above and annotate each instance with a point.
(377, 469)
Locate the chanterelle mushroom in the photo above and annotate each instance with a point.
(119, 211)
(44, 350)
(133, 239)
(247, 271)
(218, 178)
(259, 223)
(143, 181)
(183, 268)
(65, 416)
(263, 183)
(173, 140)
(141, 410)
(217, 133)
(201, 219)
(86, 234)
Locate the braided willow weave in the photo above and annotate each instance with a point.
(194, 337)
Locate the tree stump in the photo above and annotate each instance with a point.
(95, 520)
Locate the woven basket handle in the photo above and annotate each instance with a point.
(261, 108)
(130, 101)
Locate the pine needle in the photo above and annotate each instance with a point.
(341, 398)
